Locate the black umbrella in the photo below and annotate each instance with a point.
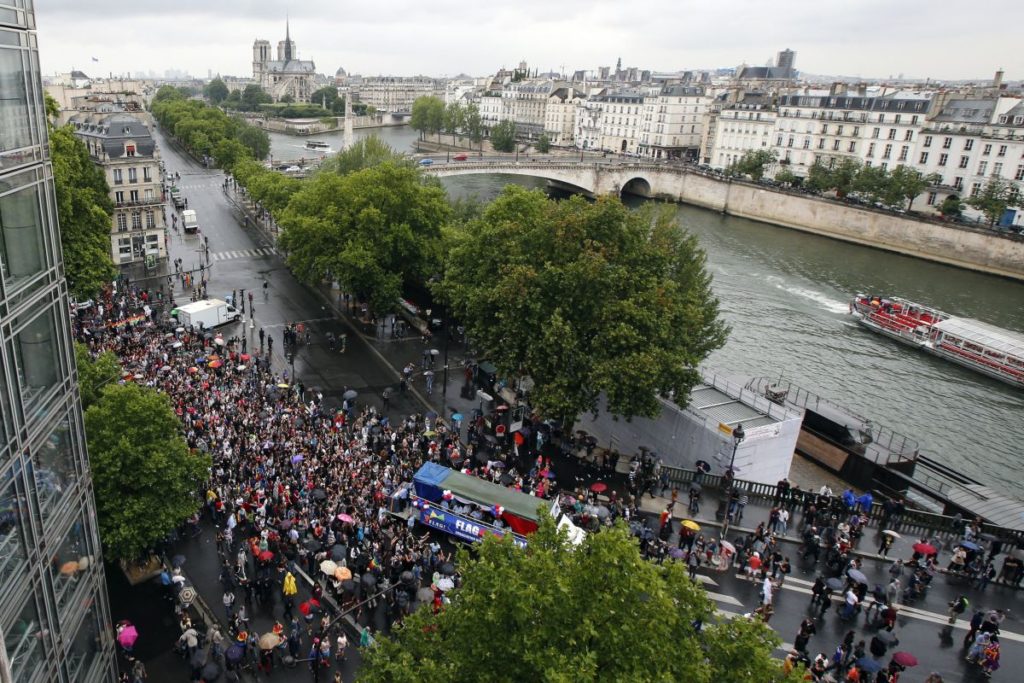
(235, 653)
(835, 583)
(198, 659)
(312, 544)
(407, 578)
(177, 560)
(703, 466)
(211, 672)
(447, 568)
(350, 394)
(424, 595)
(694, 486)
(431, 415)
(348, 585)
(338, 553)
(319, 494)
(887, 637)
(506, 479)
(369, 580)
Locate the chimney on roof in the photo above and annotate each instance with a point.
(862, 89)
(997, 82)
(837, 89)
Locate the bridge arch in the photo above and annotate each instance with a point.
(638, 186)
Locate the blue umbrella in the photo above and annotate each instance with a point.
(969, 545)
(869, 665)
(235, 653)
(297, 459)
(457, 417)
(177, 560)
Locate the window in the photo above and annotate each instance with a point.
(932, 198)
(888, 152)
(13, 562)
(997, 168)
(924, 158)
(968, 145)
(927, 140)
(824, 129)
(134, 196)
(947, 143)
(1002, 150)
(118, 178)
(913, 119)
(986, 150)
(129, 150)
(839, 130)
(807, 143)
(122, 223)
(904, 151)
(1019, 175)
(136, 220)
(778, 140)
(150, 219)
(789, 143)
(908, 136)
(943, 158)
(885, 165)
(975, 189)
(881, 118)
(147, 175)
(133, 175)
(23, 252)
(958, 183)
(149, 194)
(119, 197)
(982, 167)
(892, 133)
(835, 145)
(54, 466)
(876, 132)
(36, 355)
(26, 652)
(871, 149)
(853, 147)
(821, 144)
(964, 160)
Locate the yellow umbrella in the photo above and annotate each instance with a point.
(69, 568)
(342, 573)
(691, 525)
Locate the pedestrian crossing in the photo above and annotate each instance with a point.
(242, 253)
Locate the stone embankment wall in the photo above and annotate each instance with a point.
(957, 245)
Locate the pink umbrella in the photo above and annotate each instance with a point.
(127, 637)
(345, 518)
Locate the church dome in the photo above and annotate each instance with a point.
(340, 72)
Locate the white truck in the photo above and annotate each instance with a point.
(189, 221)
(207, 314)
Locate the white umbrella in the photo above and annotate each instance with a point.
(219, 341)
(445, 584)
(176, 345)
(890, 532)
(328, 567)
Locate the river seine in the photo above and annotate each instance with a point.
(786, 293)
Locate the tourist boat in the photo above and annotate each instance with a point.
(985, 348)
(317, 146)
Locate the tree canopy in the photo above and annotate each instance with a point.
(543, 143)
(84, 211)
(993, 199)
(145, 476)
(428, 115)
(364, 153)
(503, 136)
(585, 298)
(207, 130)
(753, 163)
(554, 612)
(94, 373)
(216, 91)
(373, 230)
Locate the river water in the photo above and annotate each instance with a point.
(785, 293)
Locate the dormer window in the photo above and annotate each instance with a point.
(1018, 120)
(1002, 119)
(129, 150)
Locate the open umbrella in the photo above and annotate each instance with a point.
(245, 358)
(904, 659)
(445, 584)
(310, 606)
(338, 553)
(835, 583)
(319, 494)
(346, 518)
(694, 486)
(312, 544)
(457, 417)
(857, 575)
(265, 556)
(342, 573)
(550, 474)
(603, 512)
(349, 586)
(890, 532)
(282, 385)
(407, 578)
(447, 568)
(970, 545)
(869, 665)
(924, 548)
(69, 568)
(210, 672)
(677, 553)
(728, 547)
(178, 561)
(702, 466)
(218, 340)
(235, 653)
(498, 465)
(127, 637)
(887, 637)
(506, 479)
(328, 567)
(296, 459)
(268, 641)
(193, 370)
(350, 394)
(691, 525)
(599, 487)
(431, 415)
(176, 345)
(369, 580)
(424, 594)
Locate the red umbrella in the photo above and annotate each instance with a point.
(245, 357)
(309, 606)
(599, 487)
(265, 556)
(924, 548)
(904, 659)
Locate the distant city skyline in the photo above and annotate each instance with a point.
(871, 39)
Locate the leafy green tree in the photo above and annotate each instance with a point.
(873, 183)
(94, 373)
(787, 177)
(994, 198)
(591, 613)
(839, 177)
(229, 152)
(454, 119)
(951, 206)
(585, 298)
(234, 99)
(911, 183)
(503, 136)
(365, 153)
(819, 177)
(543, 143)
(753, 163)
(253, 96)
(326, 97)
(167, 92)
(146, 478)
(474, 124)
(373, 230)
(255, 140)
(216, 91)
(427, 115)
(287, 99)
(84, 210)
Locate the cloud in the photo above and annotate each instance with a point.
(852, 37)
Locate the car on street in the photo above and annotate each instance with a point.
(460, 157)
(426, 162)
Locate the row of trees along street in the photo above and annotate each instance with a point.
(431, 116)
(895, 189)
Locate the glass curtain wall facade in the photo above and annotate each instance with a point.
(54, 614)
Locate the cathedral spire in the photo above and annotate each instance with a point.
(287, 39)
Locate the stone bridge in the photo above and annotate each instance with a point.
(590, 177)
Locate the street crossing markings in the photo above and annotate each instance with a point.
(242, 253)
(727, 599)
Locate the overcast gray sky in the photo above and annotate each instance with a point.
(869, 38)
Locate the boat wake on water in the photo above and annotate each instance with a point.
(826, 302)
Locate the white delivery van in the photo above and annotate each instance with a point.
(189, 221)
(207, 314)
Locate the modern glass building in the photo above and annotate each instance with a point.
(54, 616)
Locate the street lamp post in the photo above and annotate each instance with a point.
(737, 439)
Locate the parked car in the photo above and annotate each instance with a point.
(462, 156)
(426, 162)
